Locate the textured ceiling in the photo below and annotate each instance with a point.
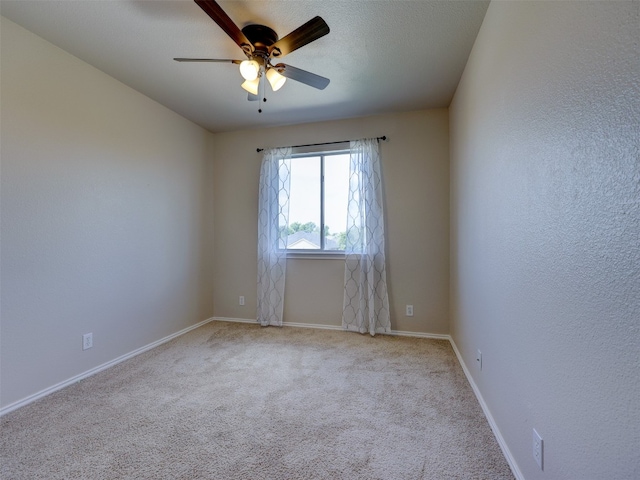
(381, 56)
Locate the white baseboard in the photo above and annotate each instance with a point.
(99, 368)
(433, 336)
(285, 324)
(235, 320)
(487, 413)
(312, 325)
(336, 327)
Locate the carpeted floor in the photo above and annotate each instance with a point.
(237, 401)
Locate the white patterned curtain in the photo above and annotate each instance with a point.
(273, 220)
(366, 301)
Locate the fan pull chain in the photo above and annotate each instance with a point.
(262, 99)
(261, 84)
(264, 87)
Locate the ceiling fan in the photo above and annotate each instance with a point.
(261, 45)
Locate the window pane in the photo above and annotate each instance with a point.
(304, 204)
(336, 190)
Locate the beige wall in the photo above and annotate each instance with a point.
(106, 217)
(415, 168)
(545, 232)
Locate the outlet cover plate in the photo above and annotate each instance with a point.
(409, 310)
(538, 449)
(87, 341)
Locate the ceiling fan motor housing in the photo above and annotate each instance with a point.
(262, 37)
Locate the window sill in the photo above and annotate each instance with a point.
(311, 255)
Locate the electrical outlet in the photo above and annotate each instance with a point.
(538, 449)
(87, 341)
(241, 300)
(409, 311)
(479, 359)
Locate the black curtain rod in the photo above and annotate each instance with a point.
(383, 138)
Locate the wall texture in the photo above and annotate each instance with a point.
(106, 217)
(415, 163)
(546, 233)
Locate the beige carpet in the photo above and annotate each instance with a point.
(237, 401)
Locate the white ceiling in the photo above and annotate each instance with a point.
(381, 56)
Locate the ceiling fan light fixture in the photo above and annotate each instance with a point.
(261, 44)
(275, 79)
(251, 86)
(249, 69)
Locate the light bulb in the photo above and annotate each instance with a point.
(275, 79)
(251, 86)
(249, 69)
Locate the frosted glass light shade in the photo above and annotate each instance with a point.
(275, 79)
(249, 69)
(251, 86)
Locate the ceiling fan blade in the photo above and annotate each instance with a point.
(215, 60)
(219, 16)
(302, 76)
(252, 98)
(307, 33)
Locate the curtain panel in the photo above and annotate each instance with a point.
(273, 219)
(366, 301)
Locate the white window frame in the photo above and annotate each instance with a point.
(320, 253)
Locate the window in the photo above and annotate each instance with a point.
(317, 203)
